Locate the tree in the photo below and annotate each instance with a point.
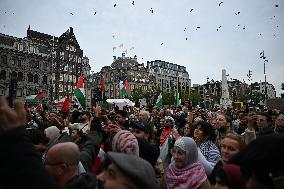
(139, 93)
(169, 98)
(195, 98)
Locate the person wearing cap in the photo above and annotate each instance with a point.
(126, 171)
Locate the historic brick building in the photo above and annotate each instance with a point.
(41, 63)
(26, 61)
(124, 68)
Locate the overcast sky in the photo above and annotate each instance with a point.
(172, 32)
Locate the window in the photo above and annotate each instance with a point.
(36, 64)
(3, 59)
(3, 75)
(14, 75)
(44, 79)
(19, 63)
(35, 78)
(19, 92)
(20, 76)
(30, 77)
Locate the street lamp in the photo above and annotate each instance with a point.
(265, 85)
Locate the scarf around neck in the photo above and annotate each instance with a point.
(191, 176)
(165, 134)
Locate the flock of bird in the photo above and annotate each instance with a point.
(191, 10)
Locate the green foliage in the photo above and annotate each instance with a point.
(139, 93)
(169, 98)
(195, 98)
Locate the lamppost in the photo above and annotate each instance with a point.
(264, 72)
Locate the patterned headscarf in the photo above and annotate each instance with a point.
(125, 142)
(192, 175)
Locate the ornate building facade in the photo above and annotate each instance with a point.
(25, 61)
(124, 68)
(41, 63)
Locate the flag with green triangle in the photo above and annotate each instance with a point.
(80, 92)
(159, 102)
(178, 100)
(124, 88)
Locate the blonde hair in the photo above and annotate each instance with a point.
(238, 138)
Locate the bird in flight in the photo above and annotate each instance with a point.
(71, 13)
(132, 2)
(220, 3)
(191, 10)
(114, 5)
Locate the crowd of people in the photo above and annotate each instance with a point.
(147, 148)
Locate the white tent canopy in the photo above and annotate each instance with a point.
(121, 102)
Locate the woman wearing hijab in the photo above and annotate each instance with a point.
(185, 171)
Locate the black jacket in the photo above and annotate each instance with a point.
(20, 164)
(83, 181)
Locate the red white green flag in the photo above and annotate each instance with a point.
(80, 92)
(124, 88)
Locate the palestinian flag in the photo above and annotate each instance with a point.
(80, 92)
(66, 105)
(124, 88)
(159, 102)
(59, 101)
(178, 102)
(34, 98)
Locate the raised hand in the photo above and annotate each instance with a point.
(11, 118)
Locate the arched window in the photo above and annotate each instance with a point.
(35, 78)
(3, 75)
(14, 75)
